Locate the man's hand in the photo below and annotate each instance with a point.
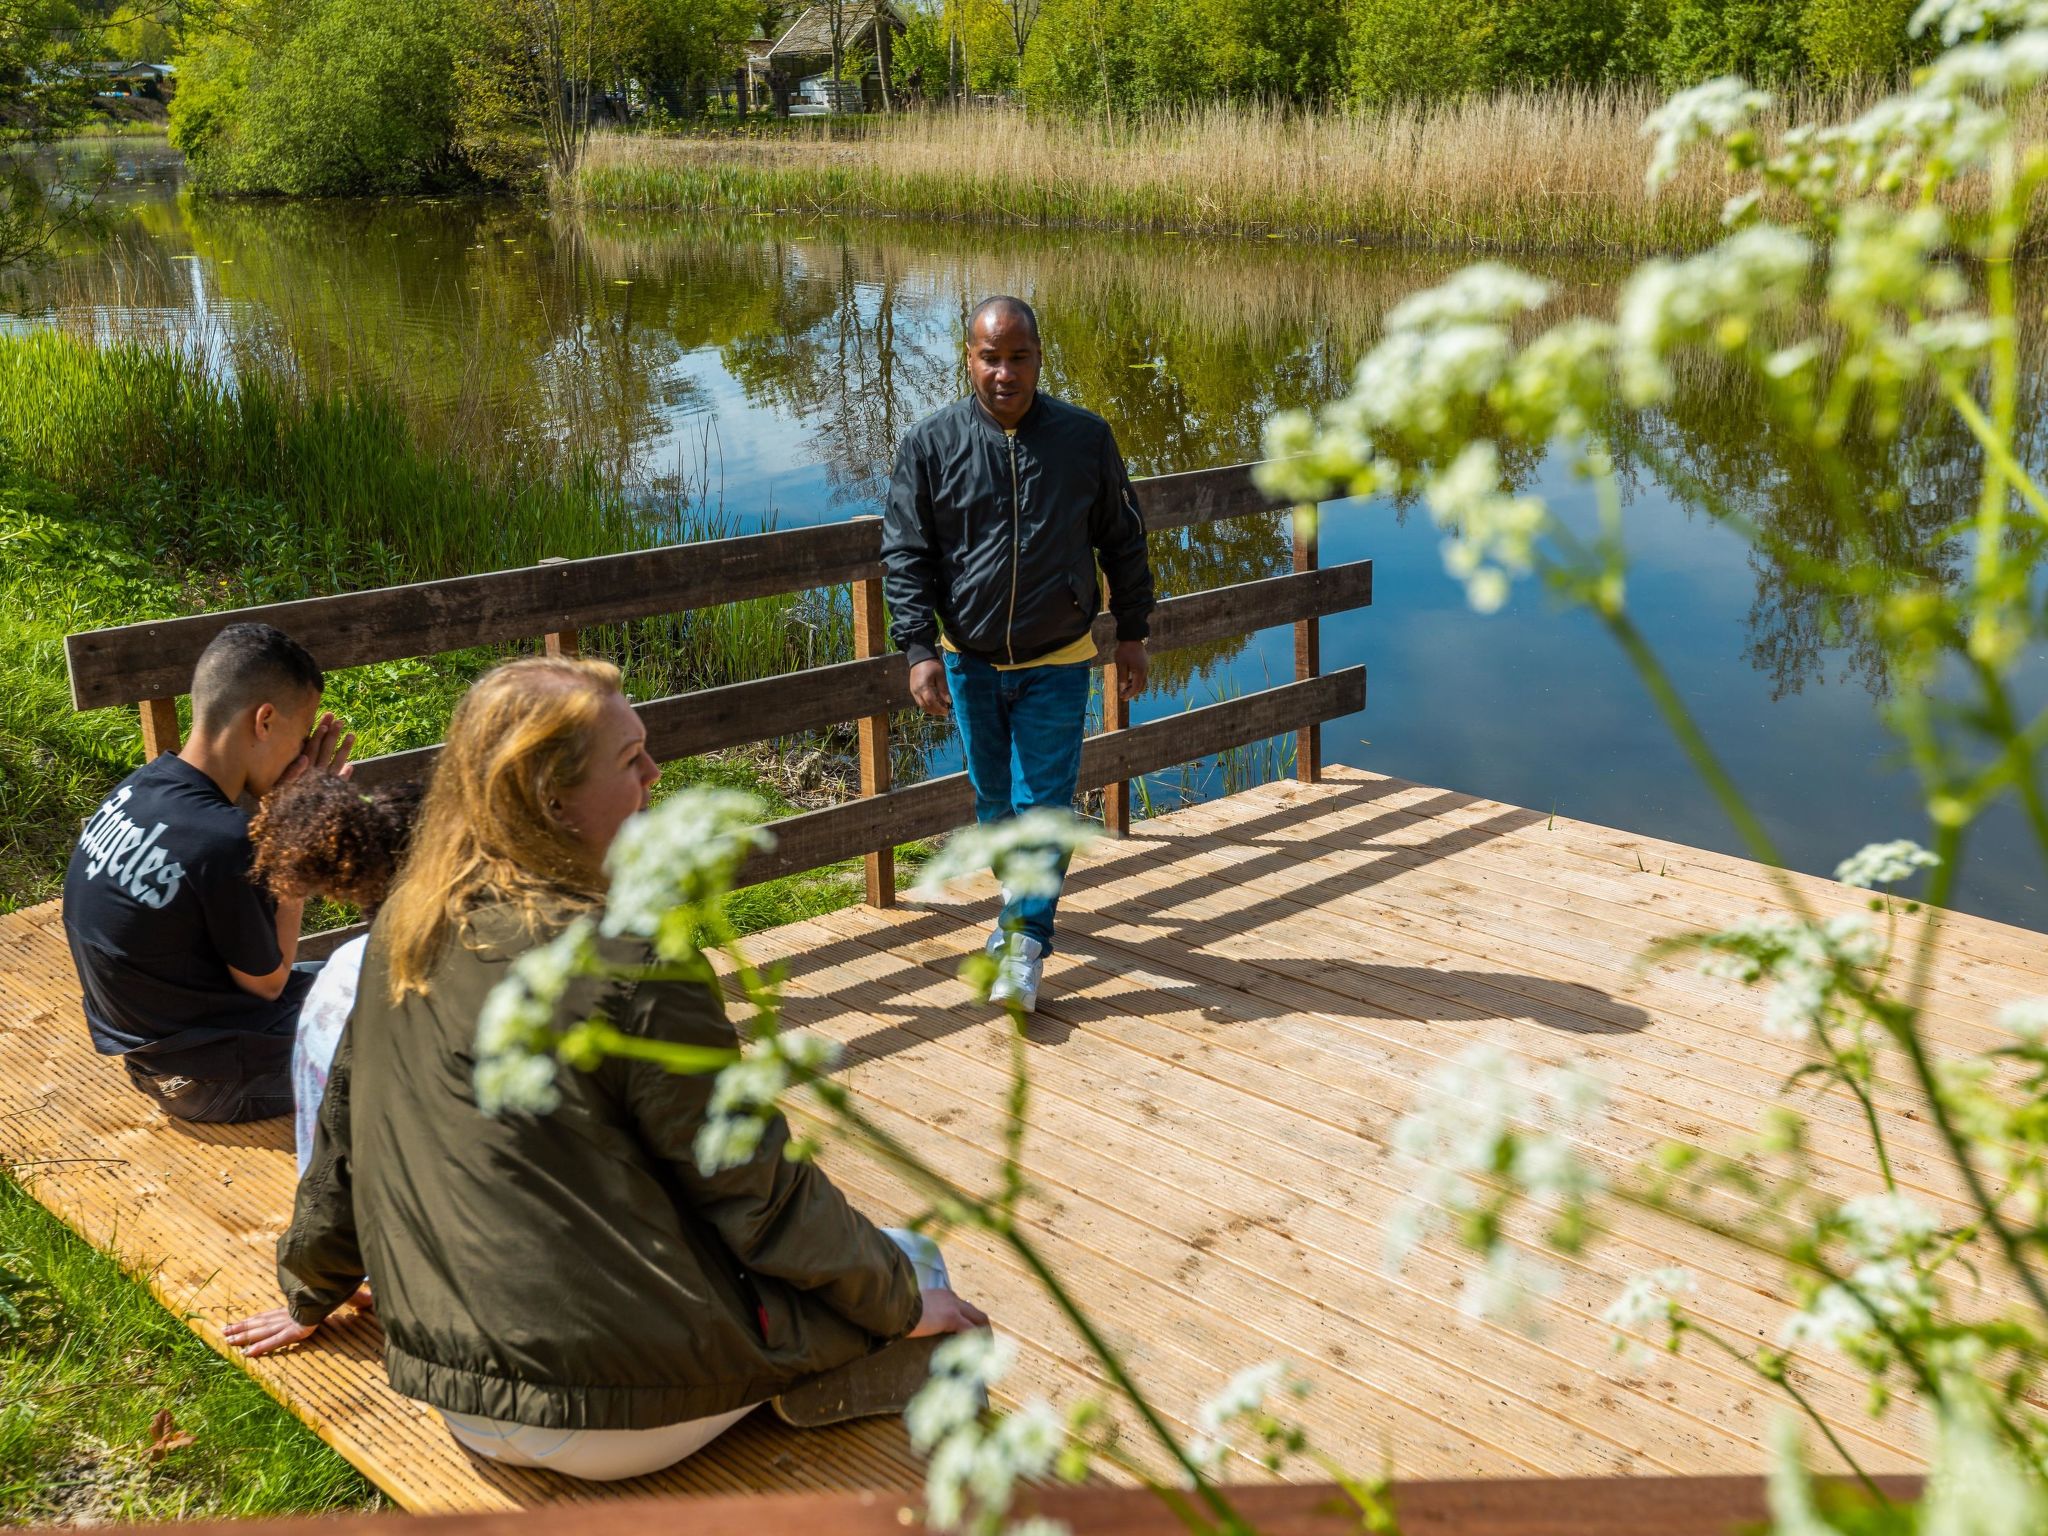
(326, 751)
(1133, 666)
(946, 1313)
(928, 689)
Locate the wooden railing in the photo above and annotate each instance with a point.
(150, 664)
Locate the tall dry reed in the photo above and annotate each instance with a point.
(1557, 170)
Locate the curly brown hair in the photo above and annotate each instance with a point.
(320, 835)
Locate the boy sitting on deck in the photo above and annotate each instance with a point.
(185, 964)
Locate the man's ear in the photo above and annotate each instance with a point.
(264, 720)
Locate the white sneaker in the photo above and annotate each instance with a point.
(1023, 965)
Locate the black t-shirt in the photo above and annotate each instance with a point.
(158, 904)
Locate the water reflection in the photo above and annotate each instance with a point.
(773, 363)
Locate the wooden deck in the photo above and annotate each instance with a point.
(1246, 996)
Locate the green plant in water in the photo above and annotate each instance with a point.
(1910, 299)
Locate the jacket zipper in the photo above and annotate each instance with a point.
(1016, 547)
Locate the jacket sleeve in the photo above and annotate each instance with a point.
(779, 1218)
(319, 1260)
(910, 557)
(1117, 529)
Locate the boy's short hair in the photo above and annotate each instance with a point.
(251, 664)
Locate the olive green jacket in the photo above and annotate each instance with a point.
(572, 1270)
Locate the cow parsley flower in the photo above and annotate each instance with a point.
(515, 1081)
(1884, 864)
(1243, 1402)
(1485, 293)
(1806, 963)
(1715, 110)
(1492, 535)
(1844, 1318)
(967, 1458)
(684, 853)
(2027, 1018)
(1650, 1301)
(2011, 66)
(1886, 1226)
(1754, 272)
(1958, 19)
(747, 1094)
(1484, 1134)
(1030, 846)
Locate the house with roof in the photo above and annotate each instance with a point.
(792, 74)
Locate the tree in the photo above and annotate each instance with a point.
(45, 93)
(1756, 39)
(320, 98)
(527, 68)
(1856, 39)
(1409, 48)
(921, 63)
(672, 48)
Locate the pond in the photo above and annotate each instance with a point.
(771, 363)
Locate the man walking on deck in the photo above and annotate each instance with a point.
(999, 510)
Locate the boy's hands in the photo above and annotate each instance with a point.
(326, 751)
(928, 688)
(1133, 666)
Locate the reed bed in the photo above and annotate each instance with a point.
(1557, 170)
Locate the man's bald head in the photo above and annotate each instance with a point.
(1003, 358)
(1002, 307)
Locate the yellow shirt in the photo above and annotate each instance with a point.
(1081, 650)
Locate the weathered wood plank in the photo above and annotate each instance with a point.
(938, 805)
(1201, 496)
(1563, 1506)
(139, 661)
(133, 662)
(687, 724)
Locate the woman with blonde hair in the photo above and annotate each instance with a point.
(571, 1291)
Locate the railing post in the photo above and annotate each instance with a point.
(870, 638)
(560, 642)
(1116, 716)
(159, 727)
(1308, 652)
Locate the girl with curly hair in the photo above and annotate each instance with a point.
(323, 836)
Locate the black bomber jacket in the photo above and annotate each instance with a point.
(996, 535)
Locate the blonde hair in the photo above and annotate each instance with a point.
(489, 828)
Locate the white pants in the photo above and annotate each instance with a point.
(604, 1455)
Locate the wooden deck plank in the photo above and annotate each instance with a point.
(1281, 1242)
(1311, 1165)
(1248, 994)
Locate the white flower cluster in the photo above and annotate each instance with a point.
(1713, 111)
(1846, 1317)
(681, 855)
(1717, 294)
(1960, 19)
(1488, 293)
(1878, 864)
(1806, 963)
(746, 1095)
(2027, 1018)
(515, 1030)
(1025, 852)
(1487, 1129)
(1650, 1300)
(1241, 1403)
(1886, 1226)
(1490, 534)
(968, 1458)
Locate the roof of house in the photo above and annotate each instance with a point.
(810, 35)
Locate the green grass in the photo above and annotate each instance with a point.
(88, 1359)
(134, 485)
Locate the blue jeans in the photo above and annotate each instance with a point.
(1021, 734)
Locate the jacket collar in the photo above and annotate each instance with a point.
(1030, 418)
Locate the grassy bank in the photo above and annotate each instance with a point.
(1550, 171)
(88, 1360)
(135, 484)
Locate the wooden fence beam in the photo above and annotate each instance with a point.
(1308, 651)
(159, 727)
(1116, 716)
(870, 641)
